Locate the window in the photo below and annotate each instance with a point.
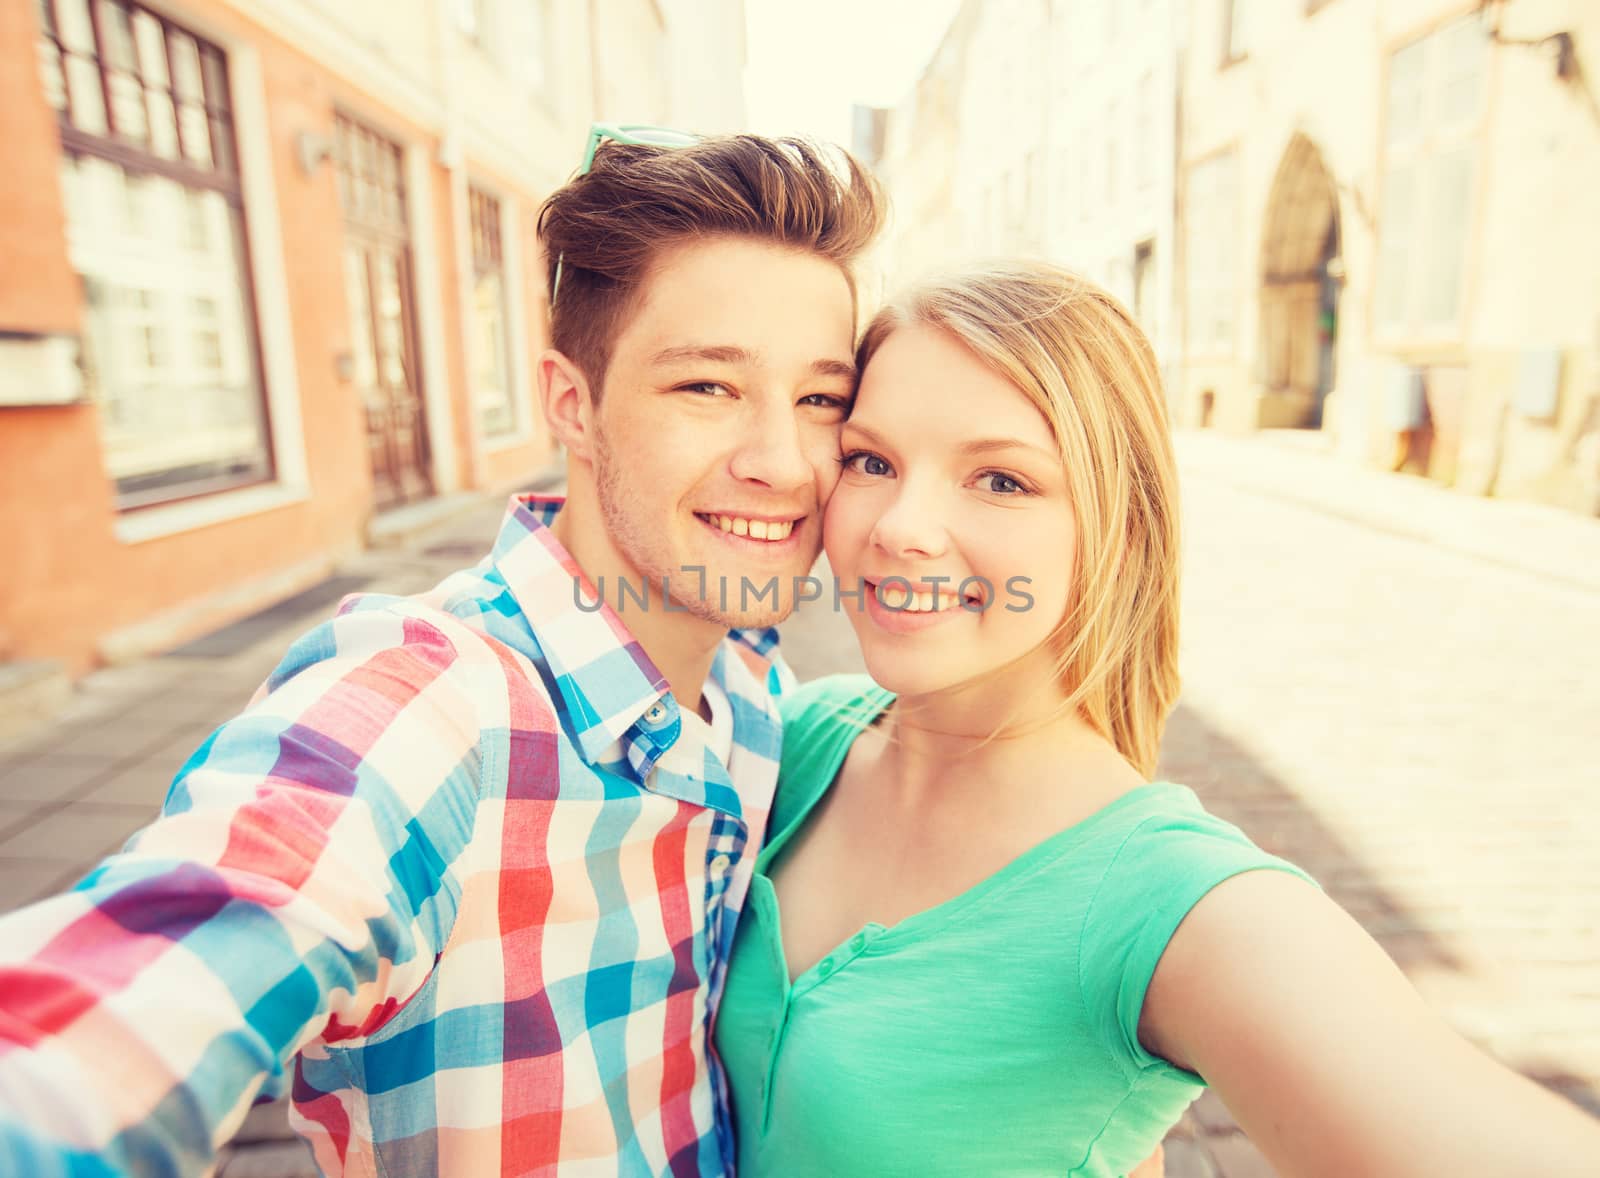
(1144, 274)
(491, 379)
(1144, 134)
(474, 18)
(1085, 169)
(535, 58)
(1432, 115)
(149, 177)
(1113, 149)
(1236, 29)
(1212, 246)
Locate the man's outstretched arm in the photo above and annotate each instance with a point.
(299, 885)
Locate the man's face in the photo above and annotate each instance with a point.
(717, 434)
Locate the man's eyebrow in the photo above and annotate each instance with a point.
(717, 354)
(732, 354)
(981, 446)
(839, 368)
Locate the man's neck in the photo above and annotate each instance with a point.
(681, 646)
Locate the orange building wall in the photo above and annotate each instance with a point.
(65, 579)
(38, 290)
(71, 580)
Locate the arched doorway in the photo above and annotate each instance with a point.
(1302, 271)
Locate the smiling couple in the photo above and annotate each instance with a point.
(492, 883)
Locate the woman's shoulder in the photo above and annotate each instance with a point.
(1167, 827)
(1165, 855)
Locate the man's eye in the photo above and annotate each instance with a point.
(862, 462)
(825, 401)
(709, 388)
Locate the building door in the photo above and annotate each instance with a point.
(382, 309)
(1302, 275)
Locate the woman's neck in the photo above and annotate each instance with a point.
(1005, 729)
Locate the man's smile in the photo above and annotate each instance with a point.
(764, 529)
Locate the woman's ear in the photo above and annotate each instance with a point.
(568, 404)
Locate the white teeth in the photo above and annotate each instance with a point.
(755, 529)
(927, 601)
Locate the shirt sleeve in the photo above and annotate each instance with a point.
(1163, 868)
(299, 884)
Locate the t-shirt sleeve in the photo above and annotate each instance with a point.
(1161, 870)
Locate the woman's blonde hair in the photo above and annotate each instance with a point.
(1078, 356)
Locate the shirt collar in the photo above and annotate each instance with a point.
(607, 682)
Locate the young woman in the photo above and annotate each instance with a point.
(981, 940)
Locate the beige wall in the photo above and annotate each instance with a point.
(1532, 250)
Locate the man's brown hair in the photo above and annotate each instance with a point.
(608, 226)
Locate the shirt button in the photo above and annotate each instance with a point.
(858, 942)
(824, 967)
(719, 864)
(656, 713)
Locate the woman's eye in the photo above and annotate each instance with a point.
(861, 462)
(1002, 484)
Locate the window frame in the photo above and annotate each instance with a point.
(1434, 138)
(1223, 162)
(1230, 54)
(135, 159)
(486, 234)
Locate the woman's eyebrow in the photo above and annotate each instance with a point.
(980, 446)
(984, 445)
(856, 427)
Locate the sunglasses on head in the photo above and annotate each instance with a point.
(633, 135)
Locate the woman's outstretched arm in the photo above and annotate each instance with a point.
(1329, 1058)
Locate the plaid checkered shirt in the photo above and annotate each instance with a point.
(460, 880)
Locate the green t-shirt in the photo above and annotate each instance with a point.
(995, 1033)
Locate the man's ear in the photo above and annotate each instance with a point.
(568, 405)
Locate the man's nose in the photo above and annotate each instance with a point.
(771, 453)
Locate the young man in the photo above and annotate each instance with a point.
(464, 877)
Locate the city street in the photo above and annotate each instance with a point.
(1386, 682)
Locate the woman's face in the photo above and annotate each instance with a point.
(953, 482)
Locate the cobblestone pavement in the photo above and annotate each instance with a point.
(1388, 683)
